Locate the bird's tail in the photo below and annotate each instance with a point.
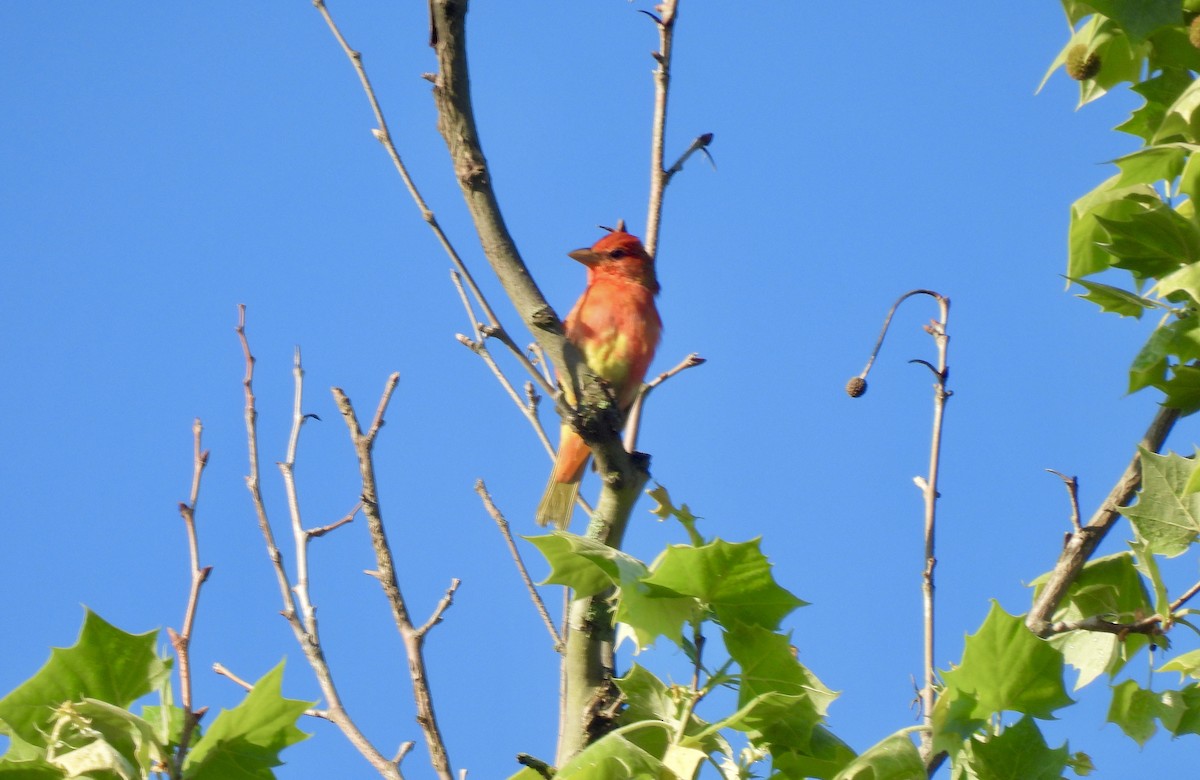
(558, 502)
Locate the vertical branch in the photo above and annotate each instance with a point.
(287, 468)
(181, 640)
(413, 637)
(937, 329)
(928, 484)
(662, 83)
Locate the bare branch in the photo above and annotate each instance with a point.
(413, 638)
(1082, 543)
(506, 532)
(181, 641)
(309, 641)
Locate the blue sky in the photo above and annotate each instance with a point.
(163, 163)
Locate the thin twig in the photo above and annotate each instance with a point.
(506, 532)
(181, 641)
(633, 422)
(1072, 484)
(384, 136)
(315, 533)
(529, 412)
(440, 609)
(224, 671)
(413, 638)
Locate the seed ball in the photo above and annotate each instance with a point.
(1081, 64)
(856, 387)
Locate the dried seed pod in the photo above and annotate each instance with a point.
(856, 387)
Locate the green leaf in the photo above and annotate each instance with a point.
(1149, 366)
(894, 758)
(1182, 389)
(953, 721)
(1019, 751)
(614, 757)
(1151, 164)
(1171, 49)
(1188, 665)
(585, 565)
(1165, 515)
(1085, 257)
(1160, 93)
(1108, 587)
(245, 742)
(105, 663)
(1005, 667)
(734, 579)
(1134, 710)
(1147, 564)
(650, 613)
(1152, 241)
(768, 666)
(1114, 299)
(1140, 18)
(1181, 119)
(825, 756)
(1180, 711)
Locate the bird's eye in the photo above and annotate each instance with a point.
(617, 254)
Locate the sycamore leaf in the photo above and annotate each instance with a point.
(585, 565)
(825, 756)
(1134, 710)
(1020, 751)
(1181, 118)
(244, 742)
(953, 721)
(1160, 93)
(1151, 164)
(1182, 389)
(1188, 665)
(1140, 18)
(105, 663)
(1108, 587)
(733, 578)
(1180, 711)
(1005, 667)
(1149, 366)
(1085, 234)
(614, 757)
(1165, 515)
(1171, 50)
(1153, 241)
(768, 666)
(1114, 299)
(1147, 564)
(894, 758)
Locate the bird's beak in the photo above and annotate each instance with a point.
(585, 256)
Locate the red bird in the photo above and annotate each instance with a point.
(616, 327)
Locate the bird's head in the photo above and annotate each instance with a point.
(618, 255)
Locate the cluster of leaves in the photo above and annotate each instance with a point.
(988, 706)
(1143, 220)
(73, 718)
(720, 604)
